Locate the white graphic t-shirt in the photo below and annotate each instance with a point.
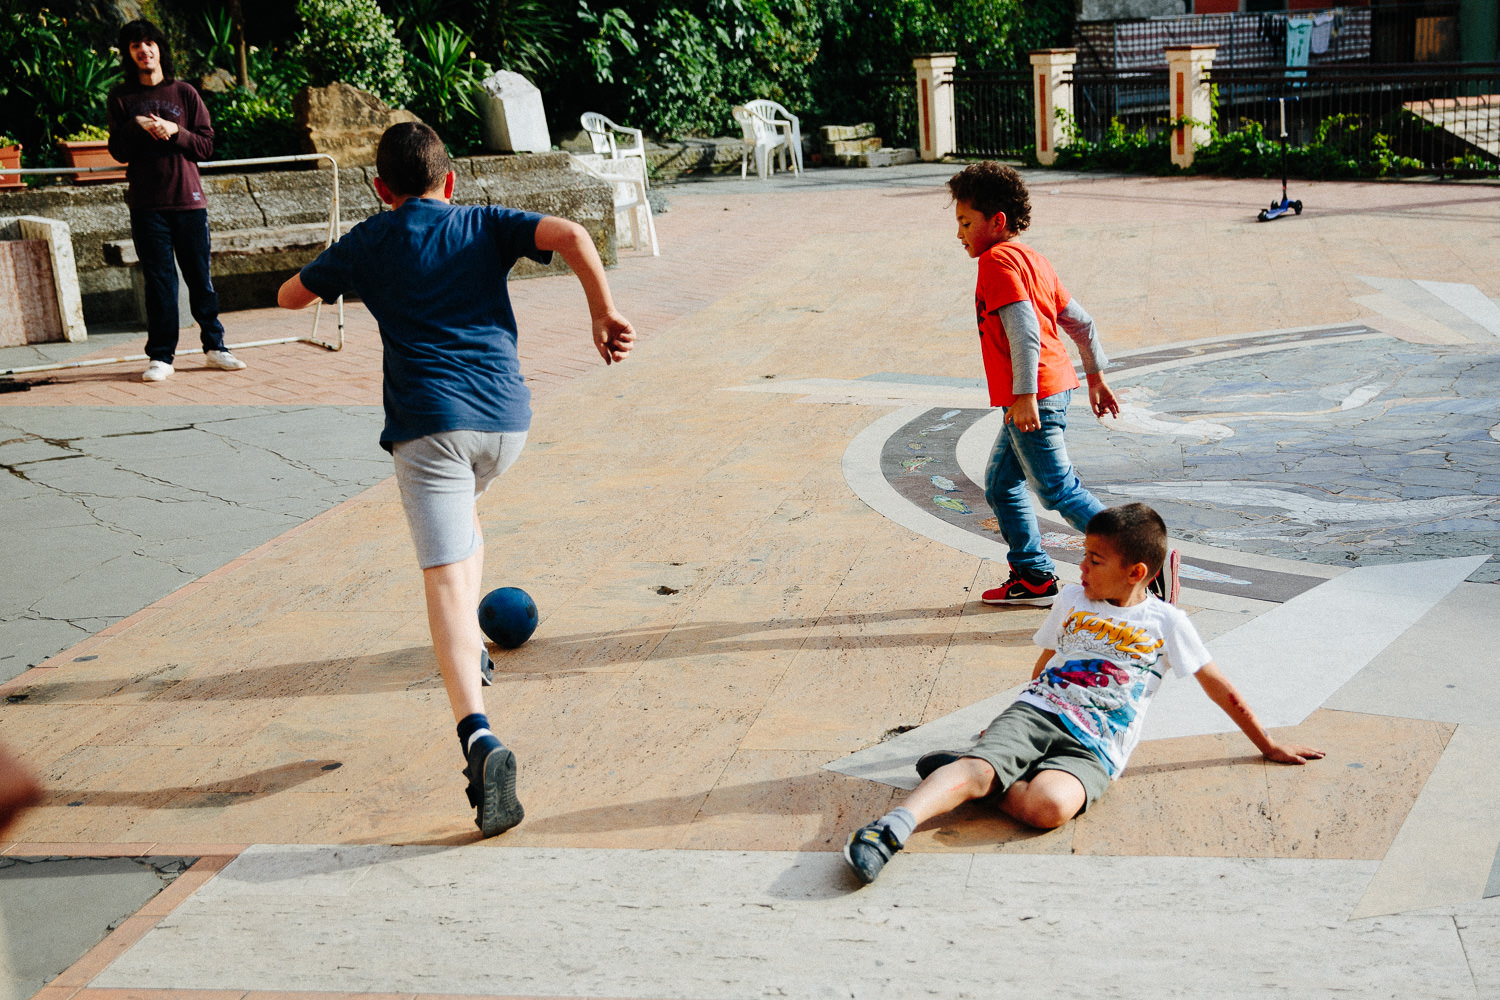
(1109, 663)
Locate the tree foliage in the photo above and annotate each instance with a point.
(671, 67)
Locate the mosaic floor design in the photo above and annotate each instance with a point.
(1338, 446)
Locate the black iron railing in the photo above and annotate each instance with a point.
(1109, 102)
(994, 113)
(890, 101)
(1438, 118)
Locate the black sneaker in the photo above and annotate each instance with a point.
(1024, 589)
(492, 786)
(869, 848)
(1165, 584)
(929, 762)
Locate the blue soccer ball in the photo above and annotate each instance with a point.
(508, 616)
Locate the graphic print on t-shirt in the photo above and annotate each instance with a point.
(1106, 671)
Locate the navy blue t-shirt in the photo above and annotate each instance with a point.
(433, 276)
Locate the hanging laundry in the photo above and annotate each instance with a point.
(1298, 42)
(1322, 33)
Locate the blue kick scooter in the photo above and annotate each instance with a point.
(1282, 207)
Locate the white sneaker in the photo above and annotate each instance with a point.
(224, 360)
(156, 371)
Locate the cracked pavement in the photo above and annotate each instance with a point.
(113, 508)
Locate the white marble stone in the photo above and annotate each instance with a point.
(1445, 851)
(512, 117)
(1442, 668)
(724, 925)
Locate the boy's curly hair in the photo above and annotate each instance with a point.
(991, 187)
(1137, 532)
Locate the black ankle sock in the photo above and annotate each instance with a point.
(468, 726)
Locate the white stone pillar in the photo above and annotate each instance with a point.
(1188, 95)
(1052, 72)
(935, 131)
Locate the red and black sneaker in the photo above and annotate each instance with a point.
(1166, 584)
(1037, 591)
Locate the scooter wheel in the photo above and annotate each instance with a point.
(1275, 204)
(1297, 207)
(1261, 217)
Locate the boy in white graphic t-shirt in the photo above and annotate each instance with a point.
(1106, 647)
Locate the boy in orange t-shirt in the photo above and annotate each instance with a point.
(1020, 305)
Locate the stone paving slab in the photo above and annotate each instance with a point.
(724, 925)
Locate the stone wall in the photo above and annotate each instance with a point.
(96, 214)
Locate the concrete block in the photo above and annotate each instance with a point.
(28, 304)
(540, 182)
(56, 300)
(512, 117)
(878, 158)
(845, 133)
(851, 147)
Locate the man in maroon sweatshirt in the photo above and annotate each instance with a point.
(159, 128)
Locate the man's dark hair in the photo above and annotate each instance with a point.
(991, 187)
(411, 159)
(1136, 531)
(145, 31)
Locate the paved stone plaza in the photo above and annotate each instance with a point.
(757, 546)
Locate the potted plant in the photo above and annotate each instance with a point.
(89, 147)
(10, 159)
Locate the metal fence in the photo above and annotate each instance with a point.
(1340, 34)
(1442, 118)
(1136, 101)
(994, 113)
(890, 101)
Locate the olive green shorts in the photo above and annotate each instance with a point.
(1024, 739)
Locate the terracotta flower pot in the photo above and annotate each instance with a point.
(92, 153)
(10, 159)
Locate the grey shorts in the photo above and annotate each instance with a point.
(440, 477)
(1023, 740)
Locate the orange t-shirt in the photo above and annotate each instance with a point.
(1013, 272)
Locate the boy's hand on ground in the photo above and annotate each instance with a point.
(1102, 399)
(613, 337)
(1022, 414)
(1291, 753)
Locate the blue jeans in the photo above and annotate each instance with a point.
(1041, 458)
(158, 237)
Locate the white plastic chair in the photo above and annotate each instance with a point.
(627, 180)
(601, 133)
(787, 122)
(763, 140)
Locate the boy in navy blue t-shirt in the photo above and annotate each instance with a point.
(456, 406)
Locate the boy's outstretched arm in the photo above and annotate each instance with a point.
(293, 294)
(613, 334)
(1228, 697)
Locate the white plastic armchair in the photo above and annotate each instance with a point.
(627, 180)
(784, 120)
(762, 139)
(601, 133)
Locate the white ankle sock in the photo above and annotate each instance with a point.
(899, 821)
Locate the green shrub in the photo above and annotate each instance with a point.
(56, 80)
(249, 124)
(352, 41)
(88, 133)
(445, 79)
(1122, 150)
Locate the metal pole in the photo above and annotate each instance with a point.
(333, 234)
